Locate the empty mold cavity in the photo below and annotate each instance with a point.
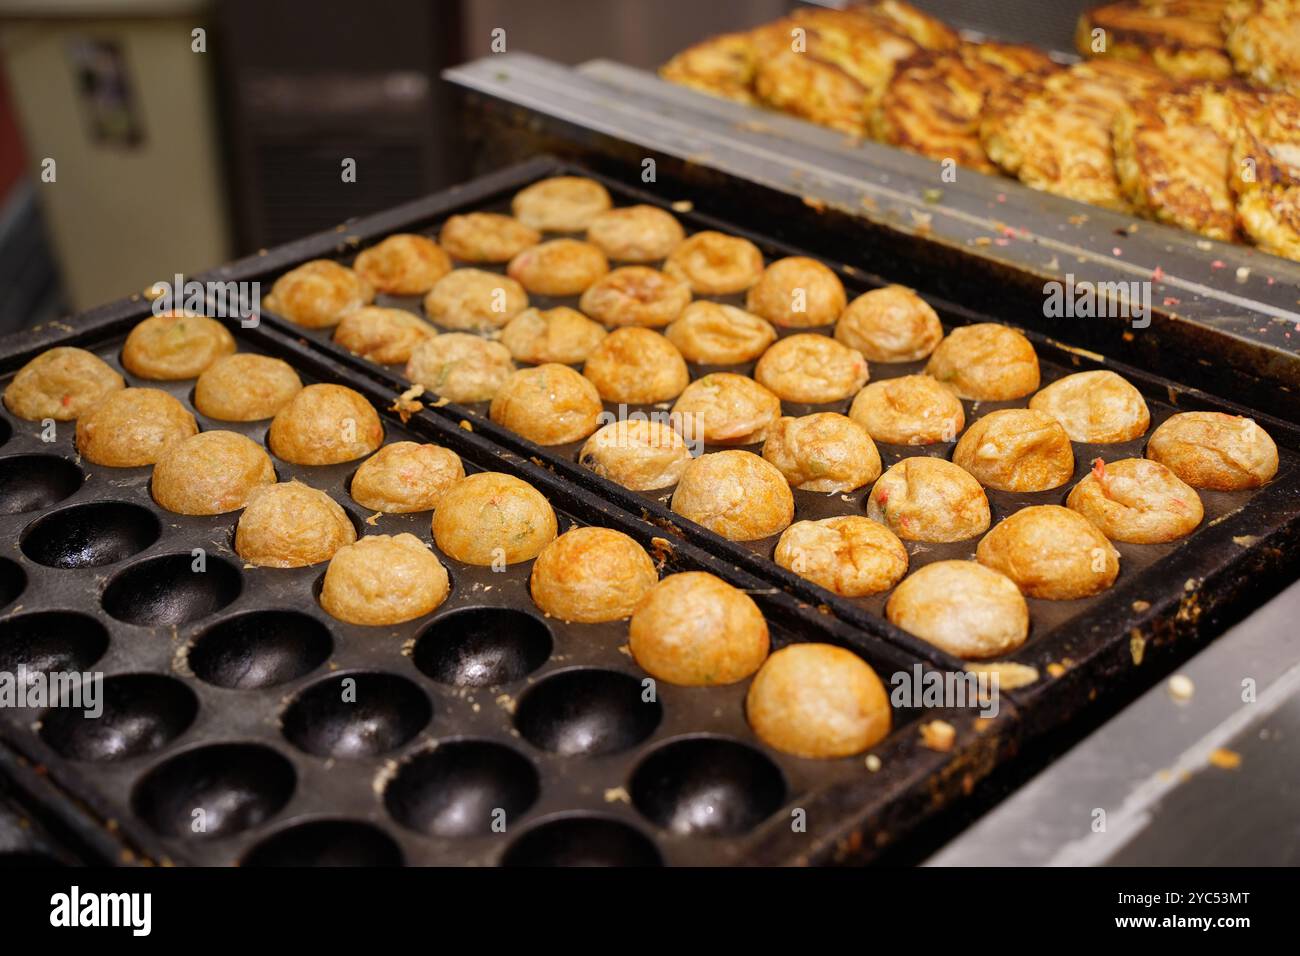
(46, 641)
(260, 649)
(460, 788)
(587, 712)
(482, 647)
(356, 715)
(12, 581)
(141, 713)
(90, 536)
(33, 482)
(582, 841)
(169, 591)
(326, 843)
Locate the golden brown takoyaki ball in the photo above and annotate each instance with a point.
(929, 499)
(210, 473)
(637, 453)
(474, 300)
(910, 410)
(1138, 501)
(818, 701)
(460, 367)
(558, 267)
(131, 427)
(174, 346)
(1094, 407)
(318, 293)
(490, 517)
(245, 387)
(1214, 450)
(809, 368)
(386, 336)
(636, 366)
(1016, 449)
(403, 264)
(735, 494)
(561, 335)
(486, 237)
(797, 292)
(726, 409)
(406, 476)
(892, 324)
(324, 425)
(963, 608)
(289, 525)
(823, 452)
(636, 295)
(716, 334)
(1050, 552)
(848, 554)
(550, 404)
(61, 383)
(636, 233)
(713, 263)
(986, 362)
(590, 575)
(560, 204)
(383, 579)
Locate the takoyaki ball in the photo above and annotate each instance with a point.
(210, 473)
(735, 494)
(174, 346)
(637, 453)
(486, 237)
(131, 427)
(818, 701)
(386, 336)
(324, 425)
(474, 300)
(403, 264)
(713, 263)
(892, 324)
(490, 518)
(460, 367)
(561, 335)
(550, 404)
(636, 366)
(636, 295)
(849, 554)
(823, 452)
(963, 608)
(714, 334)
(383, 579)
(636, 233)
(797, 292)
(929, 499)
(1095, 407)
(589, 575)
(318, 293)
(560, 204)
(1050, 552)
(909, 410)
(1138, 501)
(726, 409)
(985, 362)
(245, 387)
(406, 476)
(1016, 449)
(61, 383)
(813, 369)
(289, 525)
(559, 267)
(1214, 450)
(696, 630)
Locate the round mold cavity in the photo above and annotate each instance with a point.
(707, 786)
(587, 712)
(91, 535)
(326, 843)
(260, 649)
(459, 788)
(482, 647)
(356, 715)
(236, 786)
(12, 581)
(168, 591)
(141, 713)
(33, 482)
(45, 641)
(582, 841)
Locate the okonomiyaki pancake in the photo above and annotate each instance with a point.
(721, 66)
(1266, 170)
(1264, 42)
(1184, 38)
(925, 31)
